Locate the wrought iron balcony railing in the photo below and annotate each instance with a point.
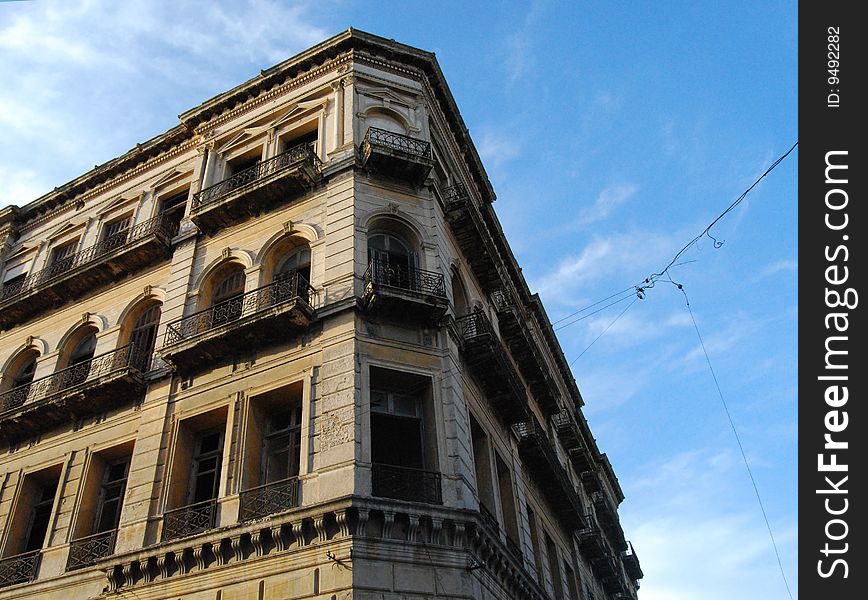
(20, 568)
(125, 357)
(473, 325)
(376, 138)
(85, 551)
(189, 520)
(489, 519)
(294, 157)
(455, 197)
(269, 499)
(285, 289)
(405, 278)
(406, 483)
(156, 226)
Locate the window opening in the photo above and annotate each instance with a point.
(61, 257)
(111, 497)
(282, 445)
(206, 466)
(143, 336)
(40, 516)
(227, 301)
(392, 261)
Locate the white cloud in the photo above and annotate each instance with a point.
(780, 266)
(625, 257)
(84, 80)
(610, 198)
(496, 150)
(690, 534)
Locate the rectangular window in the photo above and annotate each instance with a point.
(207, 459)
(116, 227)
(572, 587)
(403, 437)
(172, 209)
(507, 500)
(197, 466)
(554, 568)
(61, 257)
(482, 466)
(30, 525)
(535, 543)
(272, 461)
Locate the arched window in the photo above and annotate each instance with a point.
(24, 374)
(78, 363)
(459, 297)
(292, 276)
(227, 302)
(143, 336)
(391, 261)
(15, 385)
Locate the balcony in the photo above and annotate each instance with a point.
(535, 450)
(256, 189)
(525, 351)
(269, 499)
(266, 315)
(189, 520)
(406, 293)
(607, 513)
(591, 541)
(86, 551)
(471, 233)
(395, 155)
(405, 483)
(631, 563)
(571, 439)
(93, 386)
(20, 568)
(487, 359)
(86, 271)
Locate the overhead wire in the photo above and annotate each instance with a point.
(649, 283)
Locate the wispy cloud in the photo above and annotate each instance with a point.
(84, 80)
(497, 149)
(687, 538)
(780, 266)
(519, 45)
(610, 198)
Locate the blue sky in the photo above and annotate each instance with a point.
(613, 133)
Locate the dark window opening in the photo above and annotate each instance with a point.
(403, 437)
(282, 446)
(62, 256)
(111, 497)
(227, 301)
(79, 359)
(143, 337)
(172, 210)
(25, 372)
(482, 465)
(292, 140)
(207, 459)
(535, 543)
(554, 568)
(116, 229)
(507, 499)
(40, 516)
(392, 262)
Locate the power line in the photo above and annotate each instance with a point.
(621, 314)
(738, 441)
(581, 310)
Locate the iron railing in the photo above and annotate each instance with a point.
(406, 278)
(514, 549)
(406, 483)
(269, 499)
(85, 551)
(189, 520)
(157, 225)
(125, 357)
(294, 157)
(292, 287)
(473, 325)
(19, 568)
(376, 138)
(455, 196)
(489, 519)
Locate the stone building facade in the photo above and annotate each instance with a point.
(284, 350)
